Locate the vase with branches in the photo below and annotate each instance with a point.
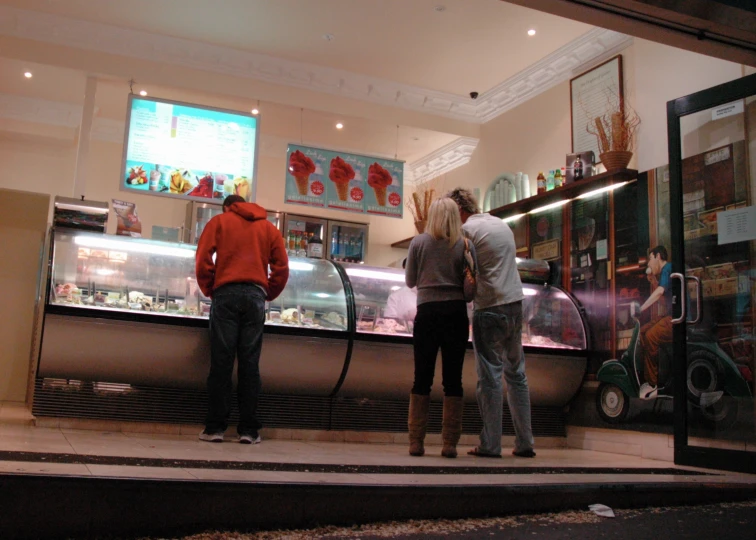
(420, 202)
(615, 131)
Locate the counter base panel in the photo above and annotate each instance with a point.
(60, 398)
(386, 370)
(137, 353)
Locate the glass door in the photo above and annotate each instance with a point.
(347, 242)
(710, 320)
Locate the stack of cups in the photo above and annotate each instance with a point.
(525, 185)
(518, 186)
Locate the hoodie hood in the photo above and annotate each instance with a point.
(249, 211)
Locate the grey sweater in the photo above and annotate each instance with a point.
(435, 268)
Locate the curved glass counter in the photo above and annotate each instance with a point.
(92, 271)
(551, 316)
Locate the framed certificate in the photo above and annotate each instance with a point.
(591, 95)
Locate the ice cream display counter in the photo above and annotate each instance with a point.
(555, 338)
(128, 311)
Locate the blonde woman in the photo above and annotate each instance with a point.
(435, 266)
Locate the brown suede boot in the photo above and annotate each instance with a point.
(452, 425)
(417, 423)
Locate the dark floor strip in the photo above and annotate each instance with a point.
(39, 457)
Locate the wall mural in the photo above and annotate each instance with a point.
(629, 384)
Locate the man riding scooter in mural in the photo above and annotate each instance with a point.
(658, 331)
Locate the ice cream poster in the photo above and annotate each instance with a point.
(127, 220)
(342, 181)
(306, 176)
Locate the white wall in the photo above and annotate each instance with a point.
(662, 74)
(536, 136)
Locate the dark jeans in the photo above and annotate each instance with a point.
(237, 316)
(441, 325)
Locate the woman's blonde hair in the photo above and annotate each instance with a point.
(444, 221)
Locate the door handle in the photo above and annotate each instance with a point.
(683, 298)
(699, 299)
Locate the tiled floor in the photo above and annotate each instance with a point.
(30, 439)
(158, 447)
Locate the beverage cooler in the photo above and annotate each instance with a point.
(199, 213)
(342, 241)
(347, 241)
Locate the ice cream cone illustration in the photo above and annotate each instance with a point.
(379, 179)
(340, 174)
(301, 167)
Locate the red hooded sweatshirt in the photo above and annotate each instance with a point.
(245, 244)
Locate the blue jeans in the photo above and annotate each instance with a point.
(497, 339)
(237, 317)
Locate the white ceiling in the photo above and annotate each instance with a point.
(472, 45)
(55, 96)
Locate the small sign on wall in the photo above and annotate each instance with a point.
(731, 109)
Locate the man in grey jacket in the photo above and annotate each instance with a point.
(497, 329)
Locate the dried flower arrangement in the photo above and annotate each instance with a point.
(420, 202)
(615, 131)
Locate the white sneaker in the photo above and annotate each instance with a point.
(210, 437)
(647, 391)
(250, 439)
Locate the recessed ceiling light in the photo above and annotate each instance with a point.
(531, 32)
(415, 138)
(328, 37)
(28, 74)
(143, 93)
(255, 111)
(339, 125)
(439, 9)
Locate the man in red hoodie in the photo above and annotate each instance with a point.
(234, 253)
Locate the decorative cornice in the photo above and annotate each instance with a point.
(563, 64)
(555, 68)
(445, 159)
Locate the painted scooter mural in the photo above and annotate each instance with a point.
(644, 369)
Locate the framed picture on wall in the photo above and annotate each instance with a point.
(591, 95)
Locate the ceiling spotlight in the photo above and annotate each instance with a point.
(28, 74)
(339, 125)
(328, 37)
(143, 93)
(439, 9)
(531, 32)
(255, 111)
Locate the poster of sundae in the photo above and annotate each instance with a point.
(306, 176)
(127, 220)
(343, 181)
(184, 182)
(384, 195)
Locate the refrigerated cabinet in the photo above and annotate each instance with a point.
(128, 311)
(199, 213)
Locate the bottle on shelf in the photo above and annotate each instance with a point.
(550, 181)
(335, 244)
(292, 248)
(302, 245)
(541, 183)
(578, 168)
(557, 178)
(315, 247)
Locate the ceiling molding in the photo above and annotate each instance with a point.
(550, 71)
(445, 159)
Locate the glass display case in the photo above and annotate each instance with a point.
(98, 272)
(336, 325)
(382, 305)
